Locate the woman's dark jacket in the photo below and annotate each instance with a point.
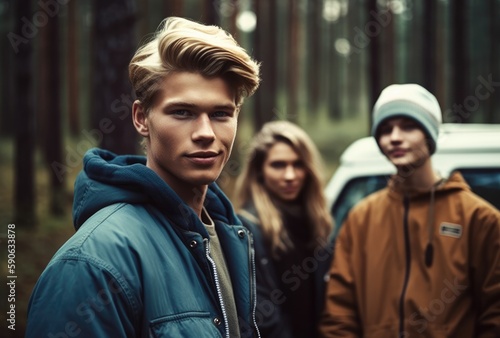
(291, 287)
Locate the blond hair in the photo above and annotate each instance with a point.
(250, 187)
(183, 45)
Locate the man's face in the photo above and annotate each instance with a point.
(403, 142)
(190, 129)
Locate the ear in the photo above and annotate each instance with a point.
(140, 119)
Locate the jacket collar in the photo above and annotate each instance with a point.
(455, 182)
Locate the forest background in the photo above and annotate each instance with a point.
(64, 89)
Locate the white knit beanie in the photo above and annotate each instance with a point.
(412, 101)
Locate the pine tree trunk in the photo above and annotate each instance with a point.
(113, 46)
(24, 189)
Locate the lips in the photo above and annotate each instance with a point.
(203, 157)
(203, 154)
(397, 152)
(290, 189)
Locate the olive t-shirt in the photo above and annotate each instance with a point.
(224, 278)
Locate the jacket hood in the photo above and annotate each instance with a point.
(108, 178)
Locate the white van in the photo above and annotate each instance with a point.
(472, 149)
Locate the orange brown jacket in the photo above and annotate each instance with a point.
(420, 265)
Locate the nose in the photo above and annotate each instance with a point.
(395, 134)
(290, 173)
(203, 131)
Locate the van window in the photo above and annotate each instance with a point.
(353, 192)
(484, 182)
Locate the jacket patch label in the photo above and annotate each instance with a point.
(450, 230)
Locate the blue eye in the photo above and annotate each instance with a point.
(182, 113)
(219, 114)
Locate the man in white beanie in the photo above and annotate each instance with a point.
(420, 258)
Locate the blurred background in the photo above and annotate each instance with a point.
(64, 88)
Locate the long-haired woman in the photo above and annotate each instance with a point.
(280, 199)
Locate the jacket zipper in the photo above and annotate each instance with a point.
(217, 285)
(406, 203)
(253, 282)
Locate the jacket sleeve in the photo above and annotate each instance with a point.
(269, 315)
(485, 268)
(78, 297)
(340, 315)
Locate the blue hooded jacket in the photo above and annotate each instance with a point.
(138, 263)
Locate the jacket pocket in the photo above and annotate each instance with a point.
(188, 324)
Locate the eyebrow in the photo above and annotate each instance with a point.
(182, 104)
(286, 161)
(392, 121)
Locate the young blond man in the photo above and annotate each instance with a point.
(158, 250)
